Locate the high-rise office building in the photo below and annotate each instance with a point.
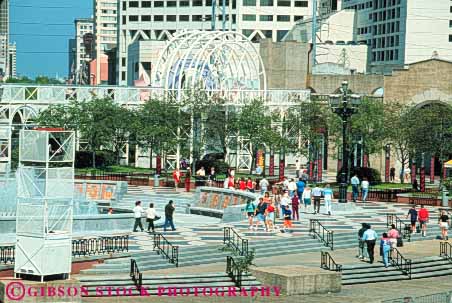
(256, 19)
(12, 72)
(84, 48)
(105, 34)
(4, 37)
(400, 32)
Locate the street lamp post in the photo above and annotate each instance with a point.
(344, 105)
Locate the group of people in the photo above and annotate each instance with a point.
(151, 216)
(367, 238)
(355, 188)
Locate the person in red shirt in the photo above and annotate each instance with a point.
(249, 185)
(270, 216)
(242, 184)
(423, 217)
(231, 184)
(295, 203)
(176, 177)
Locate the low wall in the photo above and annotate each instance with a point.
(101, 223)
(299, 280)
(99, 190)
(227, 204)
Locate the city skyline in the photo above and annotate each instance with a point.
(41, 31)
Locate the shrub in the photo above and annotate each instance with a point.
(104, 158)
(371, 174)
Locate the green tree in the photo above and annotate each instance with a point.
(430, 130)
(254, 123)
(397, 130)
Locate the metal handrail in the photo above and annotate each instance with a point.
(233, 240)
(445, 250)
(404, 228)
(7, 254)
(402, 263)
(101, 245)
(135, 274)
(166, 249)
(233, 271)
(327, 262)
(316, 229)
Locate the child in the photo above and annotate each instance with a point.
(250, 208)
(287, 218)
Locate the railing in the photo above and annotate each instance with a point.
(234, 271)
(388, 195)
(135, 274)
(443, 297)
(98, 246)
(7, 254)
(316, 229)
(402, 227)
(131, 178)
(233, 240)
(429, 197)
(166, 249)
(445, 250)
(400, 262)
(327, 262)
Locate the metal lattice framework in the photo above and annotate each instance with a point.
(211, 60)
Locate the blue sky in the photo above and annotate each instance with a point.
(41, 30)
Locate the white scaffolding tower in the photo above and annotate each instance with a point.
(45, 189)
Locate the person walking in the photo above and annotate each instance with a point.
(412, 213)
(169, 211)
(328, 197)
(423, 216)
(270, 216)
(295, 204)
(370, 236)
(362, 248)
(316, 194)
(212, 176)
(263, 185)
(260, 214)
(392, 174)
(292, 187)
(285, 201)
(306, 198)
(151, 215)
(364, 189)
(176, 178)
(355, 183)
(287, 219)
(297, 168)
(392, 235)
(300, 187)
(138, 213)
(385, 249)
(187, 179)
(444, 222)
(250, 209)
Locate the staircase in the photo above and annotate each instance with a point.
(157, 285)
(207, 254)
(372, 273)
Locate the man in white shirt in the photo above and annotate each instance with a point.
(365, 188)
(297, 168)
(355, 184)
(370, 237)
(316, 195)
(138, 213)
(285, 201)
(263, 184)
(292, 187)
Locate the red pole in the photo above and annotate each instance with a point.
(432, 170)
(387, 162)
(365, 160)
(271, 166)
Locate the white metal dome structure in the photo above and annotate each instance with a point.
(213, 60)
